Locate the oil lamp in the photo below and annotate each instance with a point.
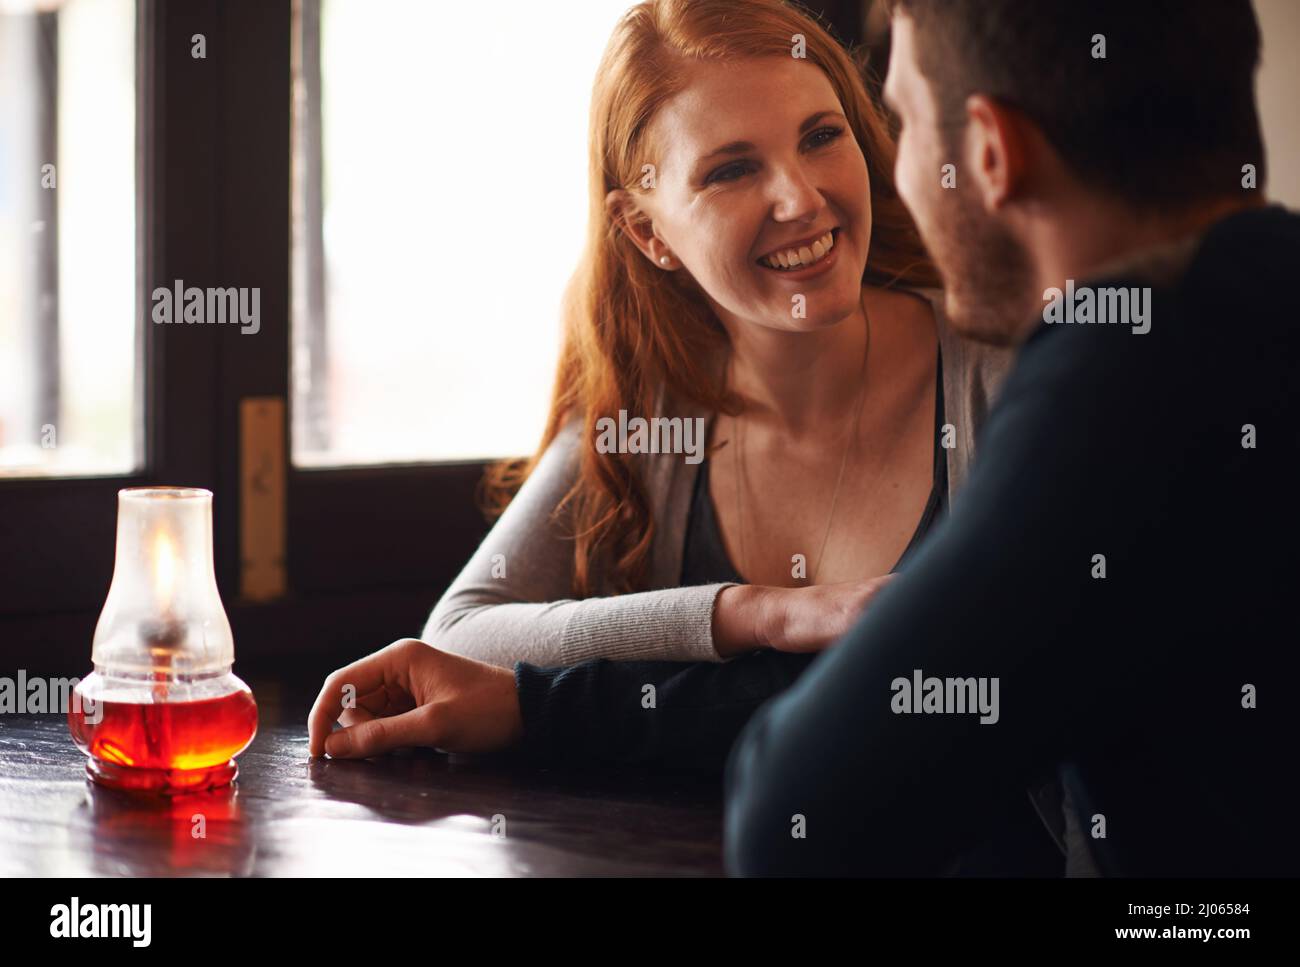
(162, 711)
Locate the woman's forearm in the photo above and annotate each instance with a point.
(741, 619)
(672, 624)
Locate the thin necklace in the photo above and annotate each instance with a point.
(738, 463)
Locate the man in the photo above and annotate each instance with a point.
(1111, 595)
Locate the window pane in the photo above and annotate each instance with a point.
(68, 346)
(440, 208)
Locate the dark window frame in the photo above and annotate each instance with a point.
(369, 549)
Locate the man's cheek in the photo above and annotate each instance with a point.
(905, 167)
(905, 181)
(923, 203)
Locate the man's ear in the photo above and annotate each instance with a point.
(996, 150)
(632, 221)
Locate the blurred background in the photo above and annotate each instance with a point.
(405, 182)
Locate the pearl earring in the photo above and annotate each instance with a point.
(664, 260)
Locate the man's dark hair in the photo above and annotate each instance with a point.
(1167, 117)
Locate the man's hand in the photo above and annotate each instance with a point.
(412, 694)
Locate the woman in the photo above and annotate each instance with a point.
(747, 273)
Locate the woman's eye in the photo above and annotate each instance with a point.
(823, 136)
(738, 169)
(726, 173)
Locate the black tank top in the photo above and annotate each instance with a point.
(705, 559)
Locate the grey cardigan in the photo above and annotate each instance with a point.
(514, 599)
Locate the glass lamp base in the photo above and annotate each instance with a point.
(166, 782)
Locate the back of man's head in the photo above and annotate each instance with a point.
(1151, 102)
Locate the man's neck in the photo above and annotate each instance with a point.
(1089, 236)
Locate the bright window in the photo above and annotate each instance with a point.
(68, 324)
(440, 208)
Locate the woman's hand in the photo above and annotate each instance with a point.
(810, 619)
(412, 694)
(789, 619)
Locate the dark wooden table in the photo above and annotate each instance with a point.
(413, 813)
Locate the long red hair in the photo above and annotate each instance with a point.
(632, 331)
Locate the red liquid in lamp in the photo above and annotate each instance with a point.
(165, 746)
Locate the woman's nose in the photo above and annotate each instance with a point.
(794, 196)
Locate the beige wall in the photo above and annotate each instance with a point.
(1279, 97)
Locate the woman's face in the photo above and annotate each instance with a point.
(755, 158)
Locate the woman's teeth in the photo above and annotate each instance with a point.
(801, 257)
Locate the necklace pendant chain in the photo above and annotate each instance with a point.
(738, 465)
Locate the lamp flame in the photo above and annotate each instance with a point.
(164, 570)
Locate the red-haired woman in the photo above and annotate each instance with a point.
(755, 295)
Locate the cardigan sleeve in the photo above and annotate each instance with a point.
(513, 601)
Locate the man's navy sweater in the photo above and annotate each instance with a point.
(1163, 691)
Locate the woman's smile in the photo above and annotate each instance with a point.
(806, 259)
